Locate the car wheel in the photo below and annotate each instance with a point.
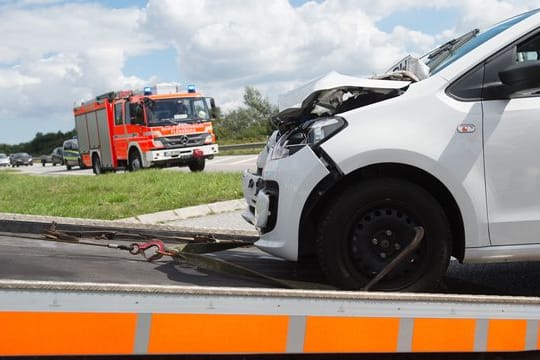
(196, 165)
(370, 223)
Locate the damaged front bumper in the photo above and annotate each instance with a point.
(276, 200)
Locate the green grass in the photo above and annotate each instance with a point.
(114, 196)
(240, 152)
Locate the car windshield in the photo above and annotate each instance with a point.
(3, 156)
(174, 111)
(446, 54)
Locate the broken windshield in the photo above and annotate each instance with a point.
(174, 111)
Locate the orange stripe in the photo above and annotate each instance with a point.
(506, 335)
(349, 334)
(185, 333)
(443, 335)
(38, 333)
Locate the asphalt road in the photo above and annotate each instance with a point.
(234, 163)
(34, 259)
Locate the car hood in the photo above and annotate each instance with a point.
(331, 94)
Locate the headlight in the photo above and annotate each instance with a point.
(208, 139)
(158, 143)
(312, 133)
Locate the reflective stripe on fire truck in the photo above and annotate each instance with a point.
(40, 318)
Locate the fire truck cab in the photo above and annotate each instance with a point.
(159, 126)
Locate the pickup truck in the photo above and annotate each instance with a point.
(56, 157)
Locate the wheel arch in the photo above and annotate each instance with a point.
(134, 146)
(332, 186)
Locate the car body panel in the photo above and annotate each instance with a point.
(482, 151)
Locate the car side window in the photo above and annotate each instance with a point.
(118, 116)
(469, 86)
(522, 51)
(529, 50)
(136, 113)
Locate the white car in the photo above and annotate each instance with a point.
(450, 144)
(4, 160)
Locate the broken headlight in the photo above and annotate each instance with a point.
(311, 133)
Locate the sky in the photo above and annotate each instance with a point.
(54, 53)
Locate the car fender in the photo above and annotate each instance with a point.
(419, 129)
(145, 162)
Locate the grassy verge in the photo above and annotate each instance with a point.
(114, 196)
(240, 152)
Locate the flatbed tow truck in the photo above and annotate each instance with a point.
(84, 289)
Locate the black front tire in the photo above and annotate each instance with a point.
(135, 162)
(196, 165)
(370, 223)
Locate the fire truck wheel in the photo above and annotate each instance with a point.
(370, 223)
(197, 165)
(96, 165)
(134, 161)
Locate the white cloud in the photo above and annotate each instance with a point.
(59, 52)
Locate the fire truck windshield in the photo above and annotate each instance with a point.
(173, 111)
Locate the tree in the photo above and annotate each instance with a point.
(249, 123)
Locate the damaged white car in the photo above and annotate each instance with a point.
(447, 142)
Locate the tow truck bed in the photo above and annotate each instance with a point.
(73, 299)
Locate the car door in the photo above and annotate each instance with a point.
(512, 150)
(120, 135)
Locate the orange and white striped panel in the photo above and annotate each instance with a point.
(118, 319)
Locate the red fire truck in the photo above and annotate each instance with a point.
(159, 126)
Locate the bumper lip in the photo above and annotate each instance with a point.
(249, 188)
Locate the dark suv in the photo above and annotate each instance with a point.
(19, 159)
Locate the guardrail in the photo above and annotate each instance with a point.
(242, 146)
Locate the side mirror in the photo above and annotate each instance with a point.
(521, 76)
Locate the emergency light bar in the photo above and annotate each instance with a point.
(191, 88)
(147, 90)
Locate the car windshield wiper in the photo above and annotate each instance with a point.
(438, 55)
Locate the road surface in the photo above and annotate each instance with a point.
(230, 163)
(34, 259)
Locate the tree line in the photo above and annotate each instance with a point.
(249, 123)
(40, 144)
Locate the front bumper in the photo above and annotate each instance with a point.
(276, 200)
(162, 156)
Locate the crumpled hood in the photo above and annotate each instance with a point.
(332, 94)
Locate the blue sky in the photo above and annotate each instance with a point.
(58, 52)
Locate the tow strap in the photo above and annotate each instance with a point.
(191, 250)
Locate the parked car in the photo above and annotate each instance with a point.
(72, 157)
(22, 158)
(56, 157)
(4, 160)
